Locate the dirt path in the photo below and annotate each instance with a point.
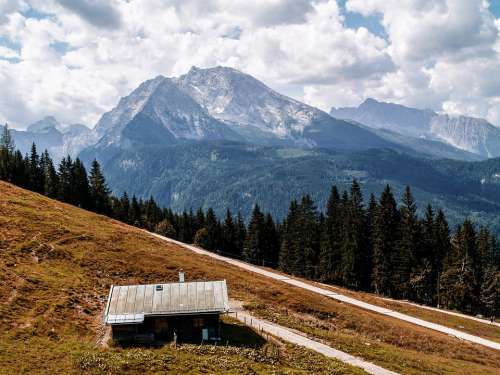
(296, 338)
(337, 296)
(480, 320)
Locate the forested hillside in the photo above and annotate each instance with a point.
(225, 175)
(375, 246)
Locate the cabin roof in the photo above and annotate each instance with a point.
(129, 304)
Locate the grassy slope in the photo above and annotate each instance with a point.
(490, 332)
(57, 263)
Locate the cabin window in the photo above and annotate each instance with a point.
(198, 322)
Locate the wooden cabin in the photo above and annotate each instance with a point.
(158, 313)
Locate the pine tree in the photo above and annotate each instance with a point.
(366, 276)
(354, 241)
(81, 188)
(213, 228)
(135, 212)
(270, 245)
(408, 246)
(306, 240)
(18, 170)
(241, 233)
(35, 171)
(229, 242)
(51, 181)
(458, 283)
(422, 279)
(99, 191)
(442, 259)
(385, 240)
(186, 227)
(330, 246)
(200, 219)
(7, 150)
(65, 178)
(252, 248)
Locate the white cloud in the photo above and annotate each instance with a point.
(8, 53)
(77, 58)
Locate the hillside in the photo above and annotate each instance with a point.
(57, 265)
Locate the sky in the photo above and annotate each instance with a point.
(74, 59)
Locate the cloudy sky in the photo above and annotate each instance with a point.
(75, 58)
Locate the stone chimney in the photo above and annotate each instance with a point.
(181, 276)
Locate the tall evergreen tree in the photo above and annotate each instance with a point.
(213, 229)
(135, 212)
(229, 241)
(442, 259)
(51, 182)
(35, 171)
(270, 242)
(385, 240)
(81, 187)
(330, 247)
(241, 233)
(287, 250)
(7, 150)
(458, 282)
(99, 191)
(354, 241)
(65, 178)
(252, 248)
(409, 245)
(306, 242)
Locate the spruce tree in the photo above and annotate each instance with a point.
(442, 258)
(270, 245)
(385, 241)
(409, 245)
(99, 191)
(252, 248)
(371, 212)
(241, 233)
(287, 250)
(213, 228)
(354, 241)
(306, 240)
(35, 171)
(51, 181)
(135, 212)
(7, 151)
(229, 241)
(330, 246)
(81, 188)
(458, 282)
(65, 178)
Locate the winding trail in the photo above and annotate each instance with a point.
(337, 296)
(293, 337)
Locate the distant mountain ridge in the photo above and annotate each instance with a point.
(469, 134)
(49, 134)
(223, 104)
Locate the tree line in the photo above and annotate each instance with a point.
(381, 246)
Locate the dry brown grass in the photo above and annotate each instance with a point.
(58, 262)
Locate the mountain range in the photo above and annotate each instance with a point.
(220, 138)
(473, 135)
(59, 140)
